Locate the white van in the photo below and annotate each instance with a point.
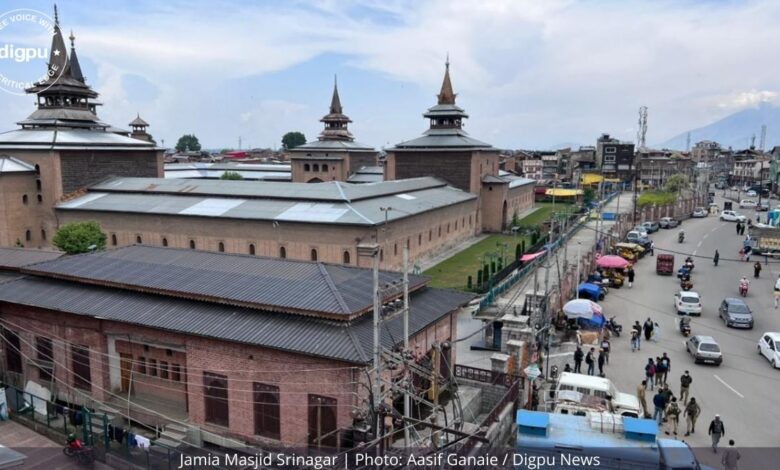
(600, 387)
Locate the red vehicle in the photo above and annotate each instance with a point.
(76, 449)
(664, 264)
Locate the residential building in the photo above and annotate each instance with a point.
(655, 170)
(532, 167)
(705, 151)
(615, 158)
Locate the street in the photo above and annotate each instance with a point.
(744, 389)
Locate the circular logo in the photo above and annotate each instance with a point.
(25, 40)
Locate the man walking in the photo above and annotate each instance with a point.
(730, 457)
(777, 291)
(652, 248)
(716, 258)
(667, 363)
(673, 416)
(717, 430)
(642, 396)
(685, 385)
(757, 269)
(578, 360)
(659, 404)
(650, 372)
(648, 329)
(630, 274)
(602, 358)
(691, 413)
(590, 362)
(635, 339)
(638, 328)
(659, 372)
(739, 226)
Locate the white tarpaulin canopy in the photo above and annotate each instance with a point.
(581, 308)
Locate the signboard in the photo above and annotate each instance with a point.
(532, 371)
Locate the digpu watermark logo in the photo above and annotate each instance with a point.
(26, 60)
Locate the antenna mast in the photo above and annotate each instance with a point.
(641, 132)
(762, 142)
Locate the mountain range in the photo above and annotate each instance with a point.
(735, 130)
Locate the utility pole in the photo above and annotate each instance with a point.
(435, 392)
(407, 398)
(239, 142)
(377, 347)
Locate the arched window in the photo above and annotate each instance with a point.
(430, 235)
(24, 199)
(28, 235)
(346, 257)
(314, 254)
(221, 247)
(395, 249)
(282, 252)
(215, 395)
(419, 240)
(113, 239)
(43, 234)
(266, 410)
(40, 199)
(192, 244)
(38, 184)
(381, 255)
(165, 241)
(324, 167)
(306, 167)
(138, 239)
(251, 248)
(37, 170)
(316, 167)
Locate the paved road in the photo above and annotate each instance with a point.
(744, 390)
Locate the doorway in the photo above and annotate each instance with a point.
(126, 366)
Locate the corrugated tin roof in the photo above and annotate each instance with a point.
(301, 287)
(332, 145)
(14, 258)
(67, 138)
(443, 138)
(349, 341)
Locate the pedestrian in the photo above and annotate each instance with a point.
(578, 360)
(656, 332)
(635, 338)
(602, 358)
(742, 254)
(659, 371)
(648, 327)
(642, 396)
(590, 362)
(738, 226)
(716, 258)
(667, 363)
(650, 372)
(672, 416)
(717, 430)
(659, 404)
(748, 250)
(756, 269)
(777, 291)
(685, 385)
(630, 276)
(691, 413)
(730, 457)
(605, 346)
(652, 248)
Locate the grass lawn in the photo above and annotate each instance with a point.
(453, 272)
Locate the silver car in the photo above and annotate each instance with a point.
(704, 349)
(668, 222)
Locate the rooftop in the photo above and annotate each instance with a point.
(331, 202)
(68, 139)
(15, 258)
(14, 165)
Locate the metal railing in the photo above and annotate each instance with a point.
(483, 375)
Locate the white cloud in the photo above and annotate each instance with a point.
(745, 99)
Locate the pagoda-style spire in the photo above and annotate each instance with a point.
(446, 96)
(58, 57)
(335, 102)
(75, 68)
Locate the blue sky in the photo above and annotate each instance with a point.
(531, 74)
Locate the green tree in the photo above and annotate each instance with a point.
(188, 142)
(79, 237)
(676, 183)
(231, 175)
(518, 251)
(522, 247)
(515, 219)
(534, 237)
(479, 279)
(468, 283)
(293, 139)
(225, 150)
(588, 195)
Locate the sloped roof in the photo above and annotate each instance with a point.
(64, 139)
(15, 258)
(14, 165)
(300, 287)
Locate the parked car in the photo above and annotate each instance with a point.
(650, 227)
(687, 303)
(751, 193)
(736, 313)
(641, 230)
(769, 347)
(763, 206)
(668, 222)
(747, 203)
(704, 349)
(636, 237)
(731, 216)
(699, 212)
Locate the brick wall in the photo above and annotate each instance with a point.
(452, 167)
(84, 168)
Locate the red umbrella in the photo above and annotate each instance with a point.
(612, 262)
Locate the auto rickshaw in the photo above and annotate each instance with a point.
(629, 251)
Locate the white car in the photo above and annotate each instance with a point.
(642, 231)
(699, 212)
(731, 216)
(687, 303)
(751, 193)
(769, 347)
(747, 203)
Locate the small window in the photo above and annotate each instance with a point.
(37, 170)
(381, 255)
(13, 351)
(439, 231)
(28, 235)
(306, 167)
(192, 244)
(215, 395)
(610, 150)
(419, 240)
(314, 254)
(163, 370)
(176, 372)
(153, 367)
(346, 257)
(221, 247)
(324, 167)
(43, 234)
(82, 373)
(142, 365)
(165, 241)
(267, 422)
(24, 199)
(45, 357)
(282, 252)
(448, 225)
(430, 235)
(113, 239)
(138, 239)
(609, 159)
(251, 248)
(316, 167)
(40, 199)
(395, 249)
(38, 184)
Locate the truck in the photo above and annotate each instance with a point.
(600, 388)
(664, 264)
(764, 240)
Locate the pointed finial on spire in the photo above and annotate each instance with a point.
(335, 102)
(56, 16)
(447, 62)
(446, 95)
(72, 40)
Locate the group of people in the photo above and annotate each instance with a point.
(657, 371)
(591, 359)
(650, 329)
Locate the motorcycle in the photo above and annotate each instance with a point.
(613, 326)
(680, 237)
(743, 289)
(685, 326)
(84, 455)
(686, 284)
